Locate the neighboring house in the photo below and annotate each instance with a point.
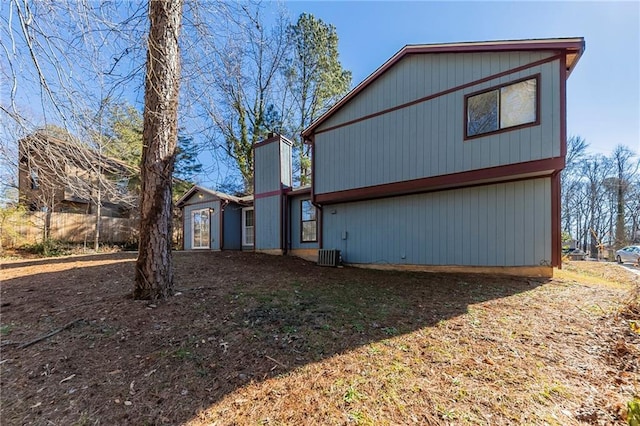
(448, 157)
(65, 177)
(216, 221)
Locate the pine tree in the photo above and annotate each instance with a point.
(154, 266)
(316, 77)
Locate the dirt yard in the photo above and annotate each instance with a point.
(254, 339)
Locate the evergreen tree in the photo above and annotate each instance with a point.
(316, 77)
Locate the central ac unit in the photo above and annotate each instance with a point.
(329, 257)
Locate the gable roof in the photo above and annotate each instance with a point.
(220, 195)
(572, 48)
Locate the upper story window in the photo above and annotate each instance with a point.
(308, 222)
(502, 108)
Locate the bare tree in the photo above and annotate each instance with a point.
(595, 170)
(154, 266)
(571, 177)
(57, 172)
(239, 86)
(600, 200)
(632, 209)
(70, 47)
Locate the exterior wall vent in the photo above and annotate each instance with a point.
(329, 257)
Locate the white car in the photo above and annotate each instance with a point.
(628, 254)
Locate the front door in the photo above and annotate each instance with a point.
(200, 229)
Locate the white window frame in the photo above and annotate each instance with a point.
(193, 235)
(245, 228)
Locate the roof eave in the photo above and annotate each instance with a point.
(186, 196)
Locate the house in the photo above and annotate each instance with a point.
(446, 158)
(64, 176)
(287, 223)
(213, 220)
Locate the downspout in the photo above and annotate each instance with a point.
(223, 204)
(312, 139)
(285, 214)
(183, 223)
(319, 219)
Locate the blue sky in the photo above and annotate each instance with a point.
(603, 93)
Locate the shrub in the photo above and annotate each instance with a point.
(49, 248)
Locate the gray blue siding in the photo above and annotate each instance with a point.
(267, 168)
(267, 228)
(507, 224)
(417, 76)
(273, 173)
(427, 139)
(273, 166)
(286, 164)
(232, 227)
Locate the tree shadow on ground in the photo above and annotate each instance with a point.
(236, 318)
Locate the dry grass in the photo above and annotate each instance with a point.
(535, 357)
(261, 340)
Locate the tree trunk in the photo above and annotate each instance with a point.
(154, 267)
(621, 238)
(96, 239)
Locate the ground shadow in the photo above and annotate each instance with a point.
(65, 259)
(236, 318)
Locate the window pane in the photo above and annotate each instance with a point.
(309, 231)
(248, 236)
(308, 210)
(196, 230)
(518, 104)
(196, 223)
(482, 113)
(248, 217)
(205, 226)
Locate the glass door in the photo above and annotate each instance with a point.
(200, 226)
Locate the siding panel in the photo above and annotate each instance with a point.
(391, 144)
(495, 225)
(267, 223)
(267, 170)
(383, 93)
(285, 163)
(232, 227)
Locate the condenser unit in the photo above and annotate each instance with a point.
(329, 257)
